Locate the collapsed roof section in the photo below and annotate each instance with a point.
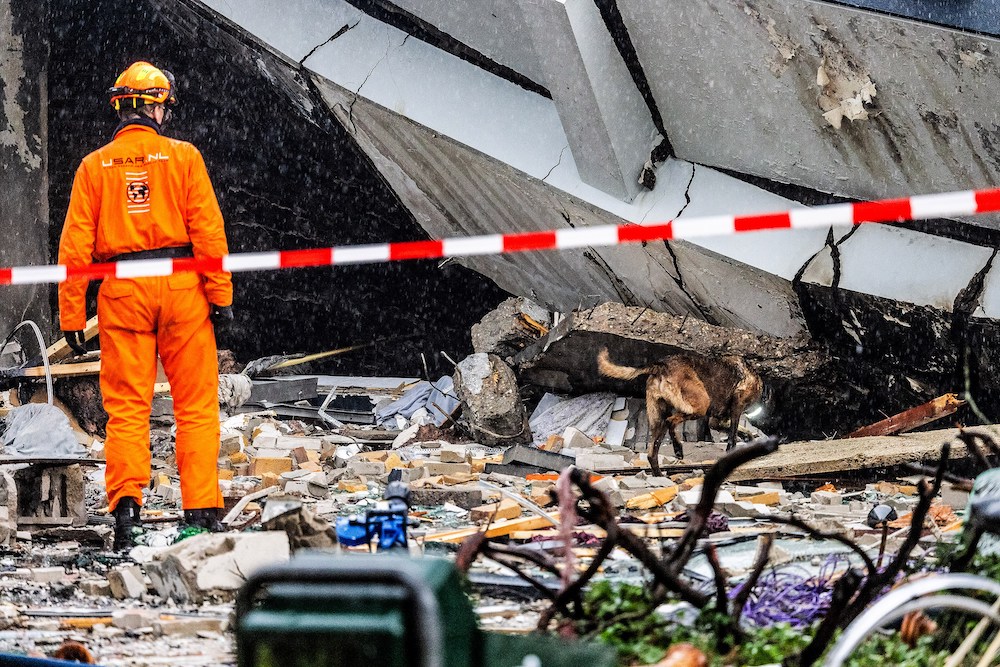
(537, 114)
(473, 151)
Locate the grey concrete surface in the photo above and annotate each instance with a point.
(24, 209)
(739, 86)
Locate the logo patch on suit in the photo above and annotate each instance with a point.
(137, 191)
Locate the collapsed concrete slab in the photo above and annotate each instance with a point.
(214, 565)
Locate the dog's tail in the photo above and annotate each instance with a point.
(613, 370)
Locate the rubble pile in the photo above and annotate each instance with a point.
(488, 458)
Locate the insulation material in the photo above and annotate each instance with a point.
(845, 89)
(590, 413)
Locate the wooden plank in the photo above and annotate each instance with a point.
(497, 529)
(819, 457)
(60, 349)
(288, 363)
(655, 498)
(81, 369)
(940, 407)
(60, 370)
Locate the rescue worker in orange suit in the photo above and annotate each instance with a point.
(144, 196)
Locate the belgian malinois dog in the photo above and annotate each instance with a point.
(689, 386)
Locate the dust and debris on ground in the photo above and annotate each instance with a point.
(481, 453)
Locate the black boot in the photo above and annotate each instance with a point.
(205, 518)
(127, 520)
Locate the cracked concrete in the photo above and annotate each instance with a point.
(556, 165)
(343, 29)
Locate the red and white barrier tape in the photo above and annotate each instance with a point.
(888, 210)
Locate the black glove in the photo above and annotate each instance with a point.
(76, 341)
(221, 316)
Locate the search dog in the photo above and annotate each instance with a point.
(689, 386)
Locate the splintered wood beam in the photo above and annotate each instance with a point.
(82, 369)
(60, 349)
(940, 407)
(59, 370)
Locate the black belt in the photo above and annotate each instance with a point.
(176, 252)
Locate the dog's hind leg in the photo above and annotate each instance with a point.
(657, 429)
(674, 422)
(734, 424)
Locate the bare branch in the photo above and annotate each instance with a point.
(721, 597)
(601, 512)
(764, 544)
(716, 475)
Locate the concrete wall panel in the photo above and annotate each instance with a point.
(825, 96)
(455, 191)
(24, 213)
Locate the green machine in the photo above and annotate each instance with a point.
(359, 610)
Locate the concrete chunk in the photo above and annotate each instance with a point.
(600, 461)
(488, 390)
(133, 619)
(537, 457)
(826, 498)
(127, 582)
(464, 496)
(214, 565)
(189, 627)
(362, 468)
(453, 453)
(96, 587)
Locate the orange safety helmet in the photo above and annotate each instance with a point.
(143, 84)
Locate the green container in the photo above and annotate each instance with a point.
(321, 610)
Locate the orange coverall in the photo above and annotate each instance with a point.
(140, 192)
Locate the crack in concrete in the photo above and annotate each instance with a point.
(625, 295)
(687, 199)
(966, 302)
(343, 29)
(559, 162)
(828, 243)
(968, 298)
(679, 278)
(566, 217)
(687, 192)
(357, 93)
(680, 283)
(270, 230)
